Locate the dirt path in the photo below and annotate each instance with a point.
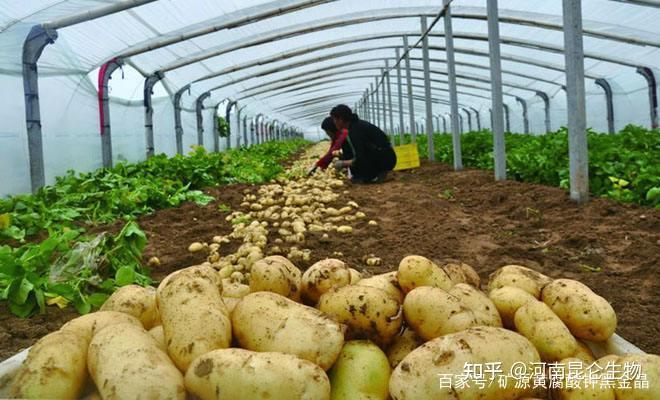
(444, 215)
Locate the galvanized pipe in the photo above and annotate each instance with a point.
(411, 106)
(603, 83)
(149, 84)
(499, 151)
(427, 90)
(199, 107)
(451, 69)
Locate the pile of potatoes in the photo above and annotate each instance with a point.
(279, 218)
(327, 333)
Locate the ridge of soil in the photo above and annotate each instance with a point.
(433, 211)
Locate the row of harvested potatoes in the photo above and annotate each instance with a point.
(327, 333)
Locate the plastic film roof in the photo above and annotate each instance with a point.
(292, 60)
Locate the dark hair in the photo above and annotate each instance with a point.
(343, 112)
(329, 125)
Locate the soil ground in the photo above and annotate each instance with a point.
(444, 215)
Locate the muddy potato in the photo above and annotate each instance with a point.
(265, 321)
(572, 383)
(278, 275)
(587, 315)
(387, 282)
(137, 301)
(416, 271)
(518, 276)
(55, 367)
(370, 313)
(417, 376)
(89, 324)
(433, 312)
(402, 345)
(483, 308)
(583, 352)
(362, 371)
(649, 365)
(124, 361)
(237, 374)
(536, 321)
(356, 276)
(159, 336)
(322, 277)
(195, 319)
(460, 272)
(508, 300)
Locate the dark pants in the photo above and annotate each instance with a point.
(374, 165)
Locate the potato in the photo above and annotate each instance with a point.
(195, 319)
(416, 271)
(278, 275)
(462, 273)
(387, 282)
(433, 312)
(159, 336)
(649, 365)
(323, 276)
(234, 289)
(137, 301)
(265, 321)
(237, 374)
(125, 362)
(417, 377)
(536, 321)
(55, 367)
(483, 308)
(572, 382)
(87, 325)
(584, 353)
(361, 372)
(356, 276)
(201, 271)
(518, 276)
(508, 300)
(369, 312)
(587, 315)
(403, 344)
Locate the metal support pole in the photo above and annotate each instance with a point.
(460, 123)
(469, 116)
(546, 103)
(476, 114)
(216, 129)
(239, 138)
(34, 44)
(245, 134)
(603, 83)
(436, 128)
(367, 106)
(444, 124)
(575, 93)
(178, 128)
(653, 94)
(106, 135)
(427, 90)
(253, 127)
(507, 118)
(149, 84)
(388, 84)
(453, 95)
(384, 97)
(199, 106)
(499, 151)
(411, 105)
(399, 86)
(523, 104)
(230, 105)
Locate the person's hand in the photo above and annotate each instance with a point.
(340, 164)
(312, 170)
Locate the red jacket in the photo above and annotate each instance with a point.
(336, 145)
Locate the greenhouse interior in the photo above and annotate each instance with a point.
(330, 199)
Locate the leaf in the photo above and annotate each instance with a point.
(82, 305)
(97, 299)
(653, 194)
(5, 221)
(22, 310)
(20, 291)
(124, 276)
(59, 301)
(14, 232)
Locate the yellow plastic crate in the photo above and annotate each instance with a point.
(407, 157)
